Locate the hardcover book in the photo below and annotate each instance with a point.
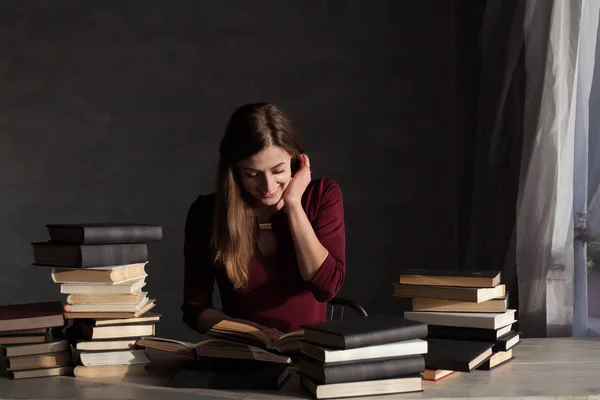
(441, 277)
(461, 333)
(397, 349)
(31, 316)
(88, 255)
(456, 355)
(350, 333)
(403, 384)
(104, 233)
(361, 370)
(468, 320)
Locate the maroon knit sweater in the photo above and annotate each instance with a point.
(276, 295)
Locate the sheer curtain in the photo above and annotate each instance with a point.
(548, 120)
(552, 197)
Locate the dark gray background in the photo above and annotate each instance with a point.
(113, 111)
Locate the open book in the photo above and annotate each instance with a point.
(213, 348)
(247, 334)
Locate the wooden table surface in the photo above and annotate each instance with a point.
(542, 368)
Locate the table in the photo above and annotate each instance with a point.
(542, 368)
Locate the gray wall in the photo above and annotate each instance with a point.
(112, 111)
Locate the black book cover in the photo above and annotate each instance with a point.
(451, 272)
(461, 333)
(233, 375)
(503, 343)
(104, 233)
(361, 370)
(351, 333)
(456, 355)
(85, 256)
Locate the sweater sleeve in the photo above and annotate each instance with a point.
(199, 275)
(329, 227)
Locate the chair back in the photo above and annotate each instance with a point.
(337, 306)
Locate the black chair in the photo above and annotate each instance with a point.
(337, 306)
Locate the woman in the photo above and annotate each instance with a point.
(272, 238)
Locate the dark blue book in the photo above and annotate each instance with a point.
(351, 333)
(104, 233)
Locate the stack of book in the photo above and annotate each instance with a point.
(102, 269)
(469, 323)
(361, 356)
(31, 340)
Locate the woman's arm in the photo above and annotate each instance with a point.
(309, 251)
(320, 243)
(199, 276)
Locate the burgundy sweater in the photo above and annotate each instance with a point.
(276, 295)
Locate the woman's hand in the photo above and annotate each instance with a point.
(294, 191)
(272, 333)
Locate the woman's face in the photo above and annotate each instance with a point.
(266, 175)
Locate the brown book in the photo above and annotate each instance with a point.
(115, 331)
(147, 317)
(290, 342)
(49, 360)
(436, 374)
(442, 305)
(31, 316)
(41, 373)
(53, 346)
(496, 359)
(25, 332)
(477, 295)
(439, 277)
(213, 348)
(107, 314)
(116, 274)
(106, 298)
(98, 371)
(26, 339)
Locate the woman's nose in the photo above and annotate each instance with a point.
(270, 183)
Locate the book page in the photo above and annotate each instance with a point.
(231, 328)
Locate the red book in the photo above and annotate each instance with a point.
(31, 316)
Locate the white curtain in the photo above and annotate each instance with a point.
(560, 49)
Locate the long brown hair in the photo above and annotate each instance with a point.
(251, 128)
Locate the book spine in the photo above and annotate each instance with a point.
(113, 254)
(418, 331)
(475, 334)
(121, 234)
(370, 370)
(432, 363)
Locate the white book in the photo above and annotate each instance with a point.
(106, 307)
(114, 357)
(397, 349)
(40, 372)
(113, 267)
(101, 345)
(362, 388)
(103, 288)
(462, 319)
